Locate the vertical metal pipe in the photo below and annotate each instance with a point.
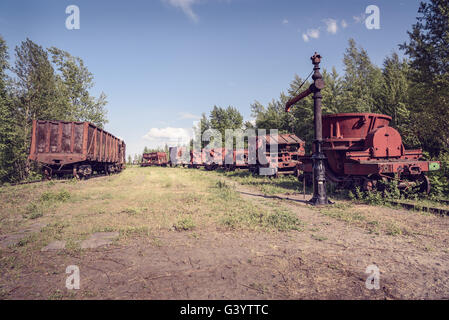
(319, 171)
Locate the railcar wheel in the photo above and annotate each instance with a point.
(47, 175)
(84, 171)
(75, 172)
(369, 185)
(422, 184)
(374, 183)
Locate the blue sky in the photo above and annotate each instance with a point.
(162, 63)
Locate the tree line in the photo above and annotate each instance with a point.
(41, 83)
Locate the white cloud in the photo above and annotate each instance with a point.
(285, 21)
(311, 34)
(186, 6)
(331, 25)
(344, 24)
(169, 135)
(187, 115)
(305, 37)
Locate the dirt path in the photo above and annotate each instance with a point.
(326, 260)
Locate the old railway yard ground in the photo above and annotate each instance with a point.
(173, 233)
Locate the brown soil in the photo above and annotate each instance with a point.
(326, 260)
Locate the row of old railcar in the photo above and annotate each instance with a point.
(289, 150)
(360, 149)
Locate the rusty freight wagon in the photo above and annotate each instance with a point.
(77, 148)
(361, 149)
(178, 156)
(154, 159)
(290, 149)
(239, 159)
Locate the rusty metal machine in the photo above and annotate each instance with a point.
(363, 150)
(358, 149)
(154, 159)
(78, 148)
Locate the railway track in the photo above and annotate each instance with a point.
(54, 180)
(445, 201)
(411, 206)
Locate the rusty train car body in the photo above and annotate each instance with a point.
(78, 148)
(178, 156)
(362, 149)
(290, 149)
(154, 159)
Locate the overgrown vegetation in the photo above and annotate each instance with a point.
(40, 84)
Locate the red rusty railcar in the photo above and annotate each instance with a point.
(228, 159)
(79, 148)
(197, 159)
(239, 159)
(213, 158)
(179, 157)
(154, 159)
(290, 149)
(362, 149)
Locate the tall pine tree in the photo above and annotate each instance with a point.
(428, 50)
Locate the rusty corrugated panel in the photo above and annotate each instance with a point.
(66, 142)
(289, 139)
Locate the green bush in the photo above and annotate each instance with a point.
(439, 180)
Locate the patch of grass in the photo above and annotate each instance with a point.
(393, 229)
(255, 218)
(184, 224)
(56, 295)
(344, 212)
(54, 230)
(156, 242)
(283, 221)
(224, 190)
(131, 211)
(61, 196)
(373, 226)
(132, 231)
(34, 210)
(9, 262)
(318, 237)
(23, 242)
(269, 186)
